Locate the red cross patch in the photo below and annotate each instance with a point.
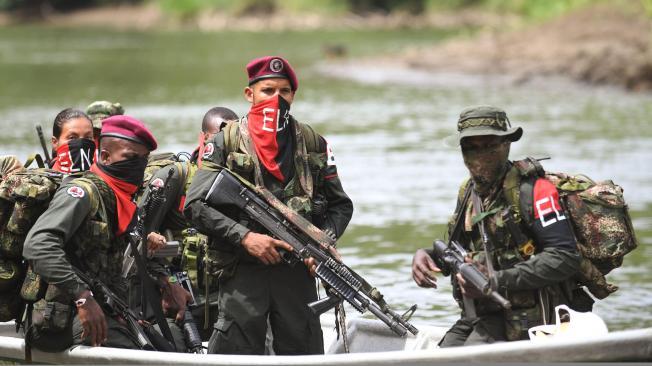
(208, 150)
(76, 192)
(158, 182)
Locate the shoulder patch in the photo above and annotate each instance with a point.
(158, 182)
(76, 192)
(208, 150)
(546, 203)
(330, 156)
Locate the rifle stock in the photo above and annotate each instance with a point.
(307, 241)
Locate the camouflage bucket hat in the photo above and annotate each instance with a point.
(485, 120)
(99, 110)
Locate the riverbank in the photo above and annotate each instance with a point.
(150, 16)
(601, 44)
(608, 43)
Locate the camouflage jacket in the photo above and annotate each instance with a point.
(230, 227)
(78, 229)
(550, 258)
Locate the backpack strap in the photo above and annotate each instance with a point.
(310, 137)
(518, 187)
(460, 210)
(231, 137)
(518, 190)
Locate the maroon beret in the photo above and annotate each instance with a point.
(128, 128)
(271, 67)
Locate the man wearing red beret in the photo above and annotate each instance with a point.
(269, 148)
(86, 226)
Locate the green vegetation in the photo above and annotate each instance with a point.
(533, 9)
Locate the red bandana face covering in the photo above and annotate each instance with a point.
(271, 131)
(123, 193)
(75, 156)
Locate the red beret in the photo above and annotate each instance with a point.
(129, 128)
(271, 67)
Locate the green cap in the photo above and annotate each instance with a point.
(101, 109)
(486, 120)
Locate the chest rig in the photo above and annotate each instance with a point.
(302, 189)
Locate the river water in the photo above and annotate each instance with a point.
(385, 125)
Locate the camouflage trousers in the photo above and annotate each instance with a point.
(482, 330)
(258, 295)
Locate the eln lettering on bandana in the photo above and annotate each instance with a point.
(75, 156)
(272, 133)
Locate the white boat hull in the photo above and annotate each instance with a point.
(371, 343)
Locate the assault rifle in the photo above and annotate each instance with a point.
(115, 306)
(307, 240)
(150, 207)
(137, 245)
(41, 138)
(193, 339)
(450, 258)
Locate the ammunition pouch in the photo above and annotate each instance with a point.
(192, 246)
(240, 163)
(220, 264)
(51, 326)
(518, 321)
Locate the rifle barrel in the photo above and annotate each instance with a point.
(41, 138)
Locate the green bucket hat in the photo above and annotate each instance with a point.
(101, 109)
(486, 120)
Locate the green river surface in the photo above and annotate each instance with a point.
(385, 125)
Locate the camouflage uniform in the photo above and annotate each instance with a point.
(532, 247)
(77, 229)
(250, 293)
(101, 109)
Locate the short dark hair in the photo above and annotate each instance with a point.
(65, 116)
(217, 112)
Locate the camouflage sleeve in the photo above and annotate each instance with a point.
(558, 258)
(45, 242)
(208, 220)
(340, 207)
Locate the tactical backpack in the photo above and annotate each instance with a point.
(598, 214)
(24, 195)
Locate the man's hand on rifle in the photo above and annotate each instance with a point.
(467, 288)
(92, 319)
(312, 266)
(155, 241)
(424, 269)
(264, 247)
(174, 299)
